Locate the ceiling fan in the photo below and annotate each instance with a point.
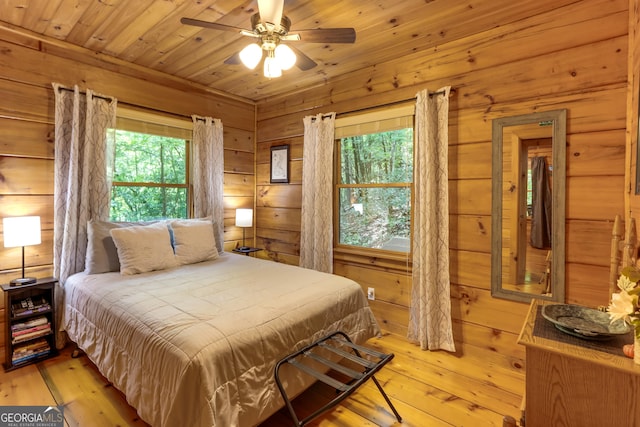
(271, 27)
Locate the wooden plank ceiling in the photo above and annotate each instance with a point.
(149, 33)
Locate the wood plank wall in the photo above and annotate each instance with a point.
(28, 65)
(573, 57)
(632, 191)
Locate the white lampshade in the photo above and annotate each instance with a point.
(285, 56)
(21, 231)
(272, 67)
(244, 217)
(251, 55)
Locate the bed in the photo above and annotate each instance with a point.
(196, 345)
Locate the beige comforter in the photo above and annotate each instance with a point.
(196, 345)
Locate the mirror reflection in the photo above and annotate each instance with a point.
(528, 206)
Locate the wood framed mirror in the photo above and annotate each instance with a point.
(528, 206)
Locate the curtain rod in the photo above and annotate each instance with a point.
(401, 101)
(82, 92)
(388, 104)
(107, 98)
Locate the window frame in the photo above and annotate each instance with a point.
(359, 120)
(158, 120)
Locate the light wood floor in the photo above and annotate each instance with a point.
(427, 389)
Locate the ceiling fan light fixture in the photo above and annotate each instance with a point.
(251, 55)
(285, 56)
(270, 27)
(272, 67)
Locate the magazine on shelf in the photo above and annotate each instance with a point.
(26, 336)
(18, 332)
(24, 358)
(30, 305)
(31, 323)
(30, 350)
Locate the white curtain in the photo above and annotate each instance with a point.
(208, 173)
(430, 310)
(316, 237)
(83, 167)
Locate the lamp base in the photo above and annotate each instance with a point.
(23, 281)
(244, 248)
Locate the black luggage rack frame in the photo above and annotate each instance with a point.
(343, 390)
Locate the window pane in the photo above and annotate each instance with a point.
(146, 203)
(149, 158)
(376, 217)
(385, 157)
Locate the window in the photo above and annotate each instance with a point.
(151, 168)
(374, 180)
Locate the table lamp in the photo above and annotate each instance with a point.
(244, 219)
(21, 231)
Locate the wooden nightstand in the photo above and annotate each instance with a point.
(30, 323)
(574, 381)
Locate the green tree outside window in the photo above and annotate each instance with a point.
(374, 190)
(150, 177)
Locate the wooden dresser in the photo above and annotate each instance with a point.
(571, 382)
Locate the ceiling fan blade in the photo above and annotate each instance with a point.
(212, 25)
(302, 61)
(327, 35)
(271, 11)
(233, 59)
(249, 34)
(290, 38)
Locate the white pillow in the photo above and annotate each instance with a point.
(193, 241)
(102, 255)
(144, 248)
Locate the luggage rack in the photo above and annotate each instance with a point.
(336, 343)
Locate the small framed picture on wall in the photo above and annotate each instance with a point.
(280, 163)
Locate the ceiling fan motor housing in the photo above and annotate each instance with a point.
(262, 28)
